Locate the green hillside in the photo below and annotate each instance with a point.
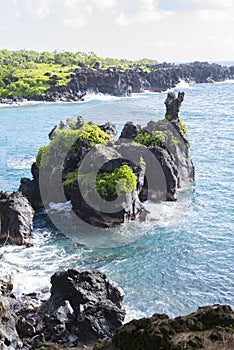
(24, 73)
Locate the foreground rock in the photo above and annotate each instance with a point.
(16, 215)
(210, 328)
(84, 306)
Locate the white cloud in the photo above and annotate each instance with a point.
(104, 4)
(148, 4)
(89, 9)
(75, 22)
(214, 4)
(147, 16)
(163, 44)
(213, 15)
(70, 2)
(41, 10)
(14, 2)
(122, 20)
(202, 31)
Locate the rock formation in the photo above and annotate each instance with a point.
(30, 188)
(84, 306)
(82, 303)
(210, 327)
(108, 179)
(173, 105)
(16, 215)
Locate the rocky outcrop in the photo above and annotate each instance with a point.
(210, 327)
(108, 179)
(84, 306)
(87, 202)
(173, 105)
(16, 215)
(30, 188)
(8, 333)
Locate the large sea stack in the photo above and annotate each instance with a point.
(108, 179)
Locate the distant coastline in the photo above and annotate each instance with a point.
(28, 76)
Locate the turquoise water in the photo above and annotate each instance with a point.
(181, 260)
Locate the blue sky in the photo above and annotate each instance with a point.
(167, 30)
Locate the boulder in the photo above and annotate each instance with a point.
(109, 129)
(211, 327)
(164, 182)
(16, 216)
(130, 131)
(84, 304)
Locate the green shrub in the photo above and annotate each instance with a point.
(93, 134)
(183, 128)
(120, 180)
(41, 157)
(157, 138)
(70, 178)
(64, 141)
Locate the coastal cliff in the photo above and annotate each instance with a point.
(69, 77)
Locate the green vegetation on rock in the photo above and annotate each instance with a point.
(39, 162)
(156, 138)
(71, 178)
(120, 180)
(65, 140)
(175, 140)
(183, 128)
(93, 134)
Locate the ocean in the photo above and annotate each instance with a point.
(180, 260)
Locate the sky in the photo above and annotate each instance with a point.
(165, 30)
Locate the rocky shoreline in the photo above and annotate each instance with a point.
(117, 82)
(84, 311)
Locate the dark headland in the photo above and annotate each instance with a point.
(66, 76)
